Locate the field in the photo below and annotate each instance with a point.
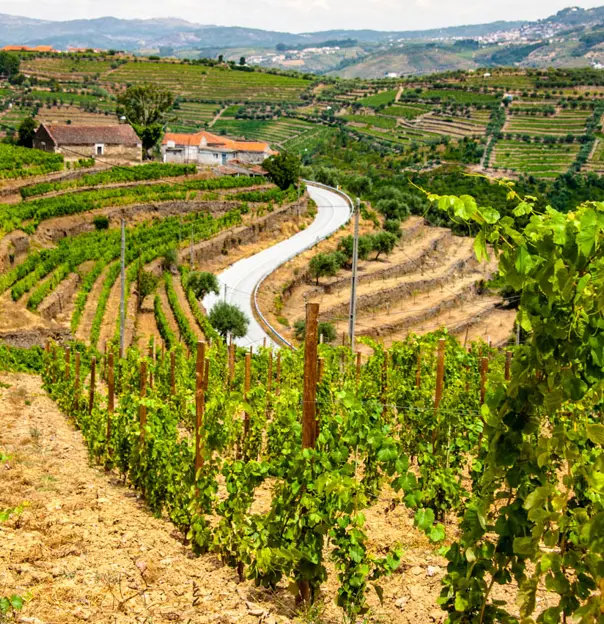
(448, 464)
(543, 161)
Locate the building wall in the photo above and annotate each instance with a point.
(114, 154)
(192, 154)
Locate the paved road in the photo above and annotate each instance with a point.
(241, 278)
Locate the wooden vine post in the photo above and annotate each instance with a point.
(484, 369)
(385, 383)
(321, 370)
(309, 407)
(278, 380)
(110, 394)
(77, 378)
(142, 409)
(269, 380)
(172, 373)
(508, 365)
(231, 359)
(206, 376)
(246, 391)
(359, 362)
(309, 413)
(67, 363)
(199, 403)
(440, 373)
(92, 383)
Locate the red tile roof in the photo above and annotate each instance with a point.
(122, 134)
(214, 140)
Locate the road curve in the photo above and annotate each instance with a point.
(239, 281)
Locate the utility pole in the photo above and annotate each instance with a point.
(123, 290)
(355, 262)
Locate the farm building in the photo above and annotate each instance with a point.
(204, 148)
(118, 144)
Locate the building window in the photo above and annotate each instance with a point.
(99, 149)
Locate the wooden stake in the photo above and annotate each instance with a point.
(418, 371)
(199, 405)
(309, 422)
(484, 369)
(201, 360)
(172, 373)
(359, 362)
(77, 377)
(269, 380)
(440, 373)
(231, 364)
(92, 382)
(67, 363)
(110, 394)
(508, 365)
(321, 369)
(278, 381)
(142, 410)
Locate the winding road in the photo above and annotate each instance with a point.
(239, 282)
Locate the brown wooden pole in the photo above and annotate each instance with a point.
(484, 369)
(508, 365)
(201, 359)
(278, 380)
(142, 410)
(309, 415)
(269, 380)
(199, 408)
(172, 373)
(77, 375)
(359, 362)
(67, 363)
(440, 373)
(92, 383)
(321, 369)
(110, 394)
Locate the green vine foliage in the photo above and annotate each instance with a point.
(536, 515)
(272, 510)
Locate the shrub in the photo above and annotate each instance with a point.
(101, 222)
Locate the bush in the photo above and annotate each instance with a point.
(101, 222)
(326, 329)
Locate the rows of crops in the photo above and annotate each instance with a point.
(546, 161)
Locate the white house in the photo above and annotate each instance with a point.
(204, 148)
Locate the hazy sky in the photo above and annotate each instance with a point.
(301, 15)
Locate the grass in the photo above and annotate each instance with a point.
(454, 95)
(276, 131)
(372, 120)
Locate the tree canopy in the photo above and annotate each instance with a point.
(26, 132)
(227, 319)
(203, 283)
(283, 169)
(9, 64)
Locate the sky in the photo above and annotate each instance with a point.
(301, 15)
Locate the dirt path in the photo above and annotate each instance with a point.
(111, 314)
(146, 327)
(165, 305)
(85, 326)
(85, 549)
(217, 117)
(186, 308)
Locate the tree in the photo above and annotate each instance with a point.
(242, 61)
(145, 107)
(146, 283)
(326, 329)
(227, 318)
(170, 259)
(203, 283)
(283, 169)
(27, 130)
(325, 265)
(9, 64)
(383, 243)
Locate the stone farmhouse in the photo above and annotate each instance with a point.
(204, 148)
(116, 145)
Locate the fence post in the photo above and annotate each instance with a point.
(309, 422)
(508, 365)
(440, 373)
(67, 363)
(484, 369)
(172, 373)
(142, 410)
(110, 394)
(92, 382)
(199, 404)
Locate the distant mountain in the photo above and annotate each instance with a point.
(572, 36)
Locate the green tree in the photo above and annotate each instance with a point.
(325, 265)
(9, 64)
(383, 243)
(283, 169)
(326, 329)
(203, 283)
(242, 61)
(26, 132)
(227, 319)
(145, 107)
(170, 259)
(146, 283)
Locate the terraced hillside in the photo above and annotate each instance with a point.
(430, 280)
